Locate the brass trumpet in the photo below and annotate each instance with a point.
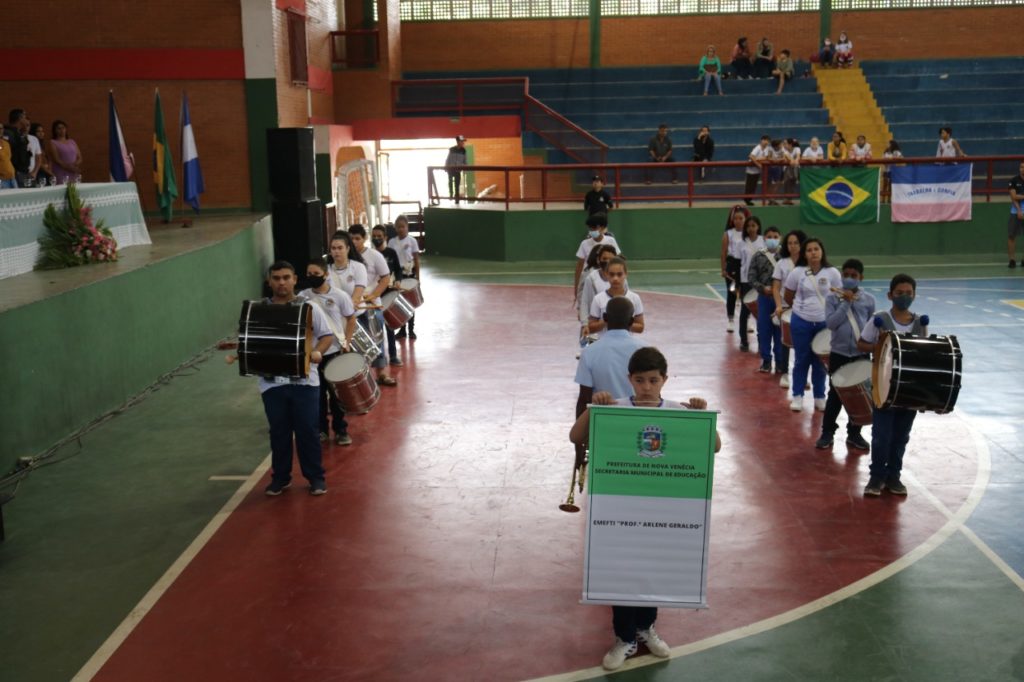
(570, 502)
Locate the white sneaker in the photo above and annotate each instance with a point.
(797, 404)
(784, 381)
(819, 404)
(731, 327)
(618, 654)
(656, 645)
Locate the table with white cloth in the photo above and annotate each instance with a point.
(21, 219)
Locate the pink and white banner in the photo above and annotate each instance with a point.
(931, 194)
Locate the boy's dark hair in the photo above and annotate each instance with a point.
(902, 279)
(785, 52)
(662, 126)
(618, 260)
(15, 115)
(776, 144)
(751, 219)
(598, 220)
(646, 359)
(594, 257)
(280, 265)
(619, 313)
(853, 264)
(766, 137)
(941, 130)
(803, 252)
(894, 146)
(772, 228)
(319, 262)
(357, 229)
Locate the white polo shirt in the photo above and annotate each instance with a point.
(406, 248)
(337, 305)
(376, 267)
(811, 290)
(588, 244)
(348, 278)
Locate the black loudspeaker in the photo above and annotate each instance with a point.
(298, 232)
(292, 165)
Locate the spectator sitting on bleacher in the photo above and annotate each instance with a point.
(844, 51)
(709, 69)
(891, 152)
(741, 59)
(814, 151)
(861, 150)
(703, 147)
(764, 61)
(660, 151)
(827, 53)
(948, 147)
(783, 70)
(837, 147)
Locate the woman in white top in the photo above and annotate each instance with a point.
(731, 256)
(594, 283)
(752, 243)
(844, 51)
(814, 151)
(616, 272)
(811, 281)
(948, 147)
(791, 245)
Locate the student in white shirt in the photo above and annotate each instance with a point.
(731, 255)
(860, 150)
(752, 243)
(594, 283)
(378, 279)
(814, 151)
(758, 155)
(792, 244)
(408, 250)
(616, 273)
(597, 228)
(948, 147)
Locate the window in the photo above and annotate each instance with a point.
(297, 59)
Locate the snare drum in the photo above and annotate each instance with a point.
(852, 382)
(364, 344)
(821, 345)
(275, 339)
(787, 331)
(397, 310)
(917, 373)
(750, 300)
(411, 290)
(352, 382)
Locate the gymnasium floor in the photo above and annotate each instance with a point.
(440, 553)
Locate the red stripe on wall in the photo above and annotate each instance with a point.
(44, 64)
(320, 80)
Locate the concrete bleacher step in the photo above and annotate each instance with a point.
(744, 136)
(686, 120)
(966, 97)
(978, 65)
(952, 83)
(571, 106)
(953, 113)
(852, 107)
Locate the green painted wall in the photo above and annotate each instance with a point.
(674, 233)
(72, 357)
(261, 114)
(324, 184)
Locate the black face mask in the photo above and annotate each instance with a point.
(315, 282)
(377, 241)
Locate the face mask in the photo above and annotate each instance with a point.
(378, 241)
(850, 283)
(315, 282)
(902, 302)
(594, 234)
(771, 244)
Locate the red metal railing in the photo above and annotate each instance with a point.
(575, 180)
(459, 96)
(358, 47)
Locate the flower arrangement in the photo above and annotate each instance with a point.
(72, 238)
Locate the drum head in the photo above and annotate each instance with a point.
(307, 317)
(851, 374)
(345, 366)
(787, 316)
(821, 344)
(750, 296)
(881, 375)
(409, 283)
(387, 299)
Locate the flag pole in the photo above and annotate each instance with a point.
(134, 177)
(186, 221)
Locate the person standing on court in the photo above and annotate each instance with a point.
(456, 158)
(1015, 226)
(597, 200)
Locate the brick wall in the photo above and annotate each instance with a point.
(294, 108)
(497, 151)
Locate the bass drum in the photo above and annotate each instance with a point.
(917, 373)
(352, 382)
(852, 382)
(275, 339)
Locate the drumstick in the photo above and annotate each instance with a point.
(368, 307)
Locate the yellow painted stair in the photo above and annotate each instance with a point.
(852, 107)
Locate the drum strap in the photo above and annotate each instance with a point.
(853, 322)
(810, 276)
(331, 324)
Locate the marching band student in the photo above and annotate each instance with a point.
(597, 225)
(341, 315)
(595, 282)
(731, 256)
(616, 272)
(378, 279)
(378, 236)
(648, 372)
(769, 336)
(846, 314)
(752, 243)
(291, 404)
(890, 428)
(408, 250)
(792, 243)
(806, 287)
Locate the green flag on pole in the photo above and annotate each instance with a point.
(839, 195)
(163, 165)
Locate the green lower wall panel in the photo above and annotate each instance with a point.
(681, 233)
(261, 115)
(324, 184)
(75, 356)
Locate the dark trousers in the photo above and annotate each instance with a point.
(890, 433)
(648, 171)
(743, 68)
(833, 405)
(409, 327)
(744, 314)
(454, 184)
(292, 411)
(769, 334)
(750, 188)
(329, 403)
(628, 620)
(392, 346)
(732, 268)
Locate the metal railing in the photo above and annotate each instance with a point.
(460, 96)
(358, 47)
(634, 182)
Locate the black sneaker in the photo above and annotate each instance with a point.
(824, 443)
(857, 442)
(873, 488)
(765, 368)
(745, 347)
(895, 487)
(275, 488)
(412, 336)
(400, 334)
(342, 439)
(1013, 263)
(318, 488)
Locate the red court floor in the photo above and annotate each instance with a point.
(440, 553)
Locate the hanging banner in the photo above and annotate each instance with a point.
(838, 195)
(649, 507)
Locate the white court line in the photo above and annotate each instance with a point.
(712, 270)
(987, 310)
(135, 616)
(698, 271)
(715, 292)
(977, 325)
(953, 524)
(228, 478)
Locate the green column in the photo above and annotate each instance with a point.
(595, 33)
(825, 14)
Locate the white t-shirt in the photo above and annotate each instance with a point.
(600, 304)
(320, 330)
(35, 149)
(814, 154)
(760, 153)
(406, 248)
(791, 154)
(593, 285)
(376, 267)
(844, 48)
(858, 152)
(588, 244)
(735, 243)
(337, 305)
(946, 148)
(871, 332)
(665, 404)
(749, 248)
(807, 304)
(348, 278)
(782, 270)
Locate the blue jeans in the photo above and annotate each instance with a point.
(8, 184)
(293, 409)
(708, 78)
(803, 331)
(769, 335)
(890, 433)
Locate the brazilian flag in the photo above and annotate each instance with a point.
(839, 194)
(163, 165)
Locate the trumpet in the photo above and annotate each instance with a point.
(577, 481)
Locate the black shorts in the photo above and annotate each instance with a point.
(1014, 227)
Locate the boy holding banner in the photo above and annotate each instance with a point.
(648, 372)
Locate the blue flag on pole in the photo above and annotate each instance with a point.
(122, 165)
(192, 174)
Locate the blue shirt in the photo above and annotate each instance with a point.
(604, 364)
(844, 339)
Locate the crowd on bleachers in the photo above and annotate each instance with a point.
(29, 159)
